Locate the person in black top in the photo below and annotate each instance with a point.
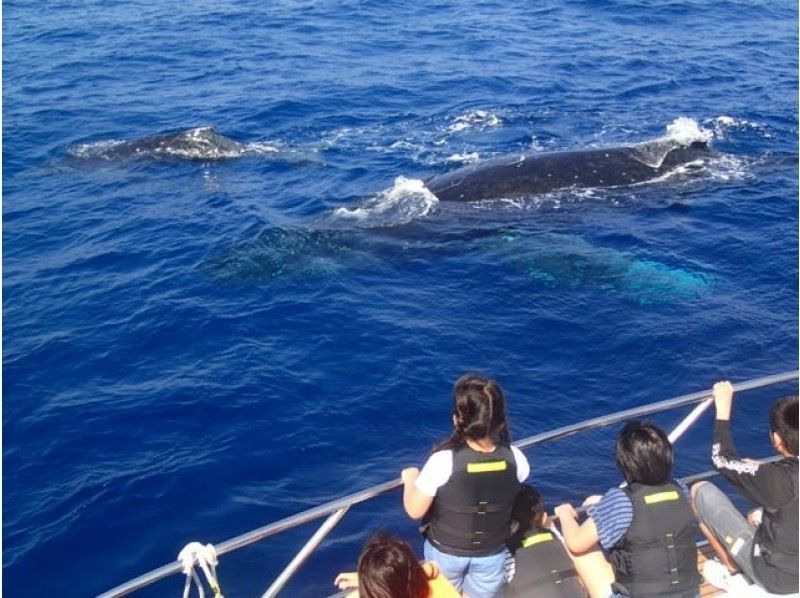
(542, 565)
(765, 546)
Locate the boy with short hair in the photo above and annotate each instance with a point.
(765, 546)
(646, 529)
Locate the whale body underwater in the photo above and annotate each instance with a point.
(511, 177)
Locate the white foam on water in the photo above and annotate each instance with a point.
(467, 158)
(406, 200)
(727, 167)
(722, 125)
(723, 168)
(262, 148)
(685, 131)
(474, 119)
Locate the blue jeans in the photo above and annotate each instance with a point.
(476, 577)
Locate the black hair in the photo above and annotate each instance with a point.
(528, 509)
(644, 454)
(479, 410)
(783, 422)
(388, 568)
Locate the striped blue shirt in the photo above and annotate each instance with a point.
(613, 516)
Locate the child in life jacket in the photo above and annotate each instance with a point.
(542, 566)
(646, 528)
(764, 546)
(467, 488)
(387, 568)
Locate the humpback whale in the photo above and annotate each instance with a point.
(510, 177)
(552, 260)
(201, 143)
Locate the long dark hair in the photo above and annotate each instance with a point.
(479, 410)
(387, 568)
(528, 514)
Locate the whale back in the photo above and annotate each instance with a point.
(510, 177)
(200, 143)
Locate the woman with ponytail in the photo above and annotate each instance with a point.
(467, 488)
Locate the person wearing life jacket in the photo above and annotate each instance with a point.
(764, 546)
(466, 490)
(646, 529)
(542, 566)
(387, 568)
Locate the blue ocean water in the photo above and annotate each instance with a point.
(194, 348)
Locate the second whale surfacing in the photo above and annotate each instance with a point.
(200, 143)
(511, 177)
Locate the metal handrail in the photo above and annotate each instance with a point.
(345, 502)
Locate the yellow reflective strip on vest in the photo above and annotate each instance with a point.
(651, 499)
(536, 539)
(487, 466)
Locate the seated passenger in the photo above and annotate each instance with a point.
(467, 488)
(387, 568)
(765, 547)
(542, 566)
(646, 529)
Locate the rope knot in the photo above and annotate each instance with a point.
(204, 556)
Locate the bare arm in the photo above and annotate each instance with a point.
(415, 502)
(579, 538)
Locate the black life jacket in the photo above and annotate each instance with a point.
(543, 569)
(471, 513)
(777, 536)
(657, 556)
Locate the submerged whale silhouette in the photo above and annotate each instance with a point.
(510, 177)
(551, 260)
(201, 143)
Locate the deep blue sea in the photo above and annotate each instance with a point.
(193, 348)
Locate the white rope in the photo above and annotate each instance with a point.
(689, 420)
(205, 556)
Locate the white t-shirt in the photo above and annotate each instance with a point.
(439, 467)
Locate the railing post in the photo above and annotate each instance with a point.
(304, 553)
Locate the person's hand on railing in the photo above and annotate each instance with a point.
(566, 511)
(347, 581)
(592, 500)
(409, 475)
(723, 399)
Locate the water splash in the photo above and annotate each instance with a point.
(681, 132)
(685, 131)
(406, 200)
